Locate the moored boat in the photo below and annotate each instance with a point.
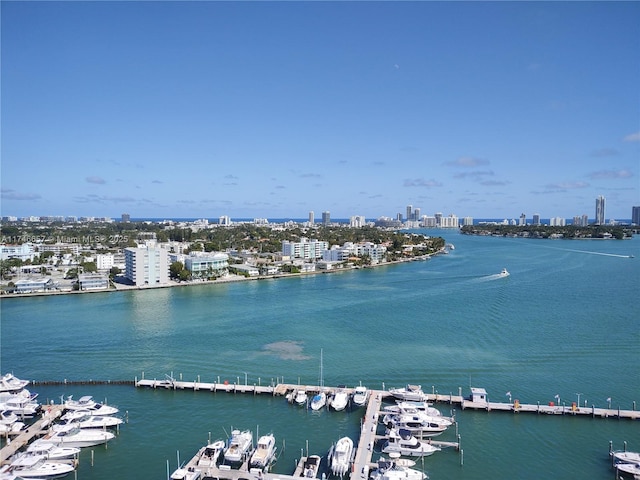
(403, 442)
(11, 383)
(51, 451)
(626, 457)
(311, 466)
(411, 392)
(38, 466)
(301, 397)
(340, 456)
(421, 424)
(209, 455)
(88, 403)
(396, 468)
(182, 473)
(265, 451)
(360, 396)
(318, 401)
(86, 420)
(340, 398)
(72, 436)
(239, 446)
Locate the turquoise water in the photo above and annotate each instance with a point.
(562, 323)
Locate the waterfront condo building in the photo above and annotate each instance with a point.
(207, 264)
(148, 265)
(305, 248)
(635, 215)
(599, 210)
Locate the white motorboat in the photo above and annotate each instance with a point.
(396, 468)
(51, 451)
(10, 383)
(189, 473)
(318, 401)
(630, 468)
(301, 397)
(412, 408)
(626, 457)
(9, 422)
(23, 404)
(85, 419)
(209, 455)
(340, 456)
(420, 425)
(360, 396)
(72, 436)
(239, 446)
(311, 466)
(340, 399)
(504, 273)
(404, 443)
(411, 392)
(37, 466)
(264, 453)
(88, 403)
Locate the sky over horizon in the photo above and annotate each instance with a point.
(275, 109)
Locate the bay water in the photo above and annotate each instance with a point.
(563, 327)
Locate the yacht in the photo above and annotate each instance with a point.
(412, 393)
(51, 451)
(9, 422)
(12, 384)
(412, 408)
(421, 424)
(88, 403)
(340, 398)
(396, 468)
(23, 404)
(240, 445)
(403, 442)
(360, 396)
(311, 466)
(626, 457)
(86, 420)
(340, 456)
(38, 466)
(72, 436)
(265, 452)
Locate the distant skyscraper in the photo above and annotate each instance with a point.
(416, 214)
(311, 217)
(326, 218)
(635, 215)
(126, 218)
(523, 219)
(536, 219)
(599, 210)
(409, 210)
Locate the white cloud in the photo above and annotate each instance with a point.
(632, 137)
(421, 182)
(610, 174)
(467, 162)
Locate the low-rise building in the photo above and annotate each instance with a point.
(244, 269)
(33, 285)
(93, 281)
(23, 252)
(207, 264)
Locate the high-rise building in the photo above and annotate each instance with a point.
(523, 220)
(536, 219)
(409, 210)
(599, 210)
(311, 217)
(635, 215)
(326, 218)
(126, 218)
(147, 265)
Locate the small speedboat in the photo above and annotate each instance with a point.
(340, 456)
(311, 466)
(185, 474)
(209, 455)
(504, 273)
(626, 457)
(318, 401)
(340, 399)
(301, 397)
(264, 453)
(360, 396)
(239, 447)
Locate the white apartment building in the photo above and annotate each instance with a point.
(357, 221)
(451, 221)
(23, 252)
(105, 261)
(202, 264)
(305, 248)
(148, 265)
(557, 222)
(337, 254)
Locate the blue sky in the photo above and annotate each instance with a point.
(273, 109)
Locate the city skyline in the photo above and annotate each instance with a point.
(276, 109)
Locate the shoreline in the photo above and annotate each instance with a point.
(231, 278)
